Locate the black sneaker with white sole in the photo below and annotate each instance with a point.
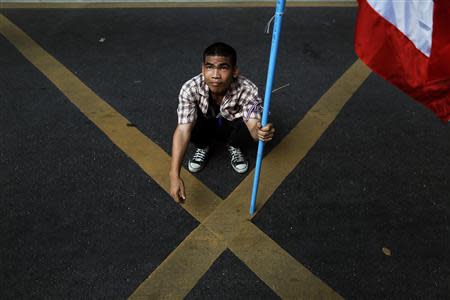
(238, 160)
(198, 161)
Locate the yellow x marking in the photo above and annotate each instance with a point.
(223, 224)
(230, 225)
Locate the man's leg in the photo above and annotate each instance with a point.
(201, 136)
(203, 132)
(238, 137)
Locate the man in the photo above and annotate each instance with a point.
(216, 104)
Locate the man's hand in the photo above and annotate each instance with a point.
(265, 133)
(177, 190)
(180, 143)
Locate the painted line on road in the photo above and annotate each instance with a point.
(175, 277)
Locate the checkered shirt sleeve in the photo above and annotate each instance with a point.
(251, 101)
(187, 103)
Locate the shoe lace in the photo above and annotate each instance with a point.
(200, 154)
(236, 154)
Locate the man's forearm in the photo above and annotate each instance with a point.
(253, 128)
(179, 146)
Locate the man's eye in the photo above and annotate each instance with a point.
(209, 67)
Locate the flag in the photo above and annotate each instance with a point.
(407, 42)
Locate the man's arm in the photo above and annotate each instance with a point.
(180, 143)
(258, 132)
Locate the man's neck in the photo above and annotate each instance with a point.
(216, 98)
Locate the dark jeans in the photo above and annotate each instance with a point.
(206, 131)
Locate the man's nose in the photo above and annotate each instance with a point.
(216, 73)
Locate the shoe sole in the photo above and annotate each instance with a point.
(195, 170)
(240, 171)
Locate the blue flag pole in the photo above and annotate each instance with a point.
(268, 93)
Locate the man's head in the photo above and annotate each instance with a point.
(219, 67)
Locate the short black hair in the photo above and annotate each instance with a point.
(221, 49)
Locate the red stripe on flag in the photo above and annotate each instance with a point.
(389, 53)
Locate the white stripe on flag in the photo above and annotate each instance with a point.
(412, 17)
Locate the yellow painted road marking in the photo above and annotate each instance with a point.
(225, 224)
(148, 155)
(176, 276)
(277, 268)
(255, 4)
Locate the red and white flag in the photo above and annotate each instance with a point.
(407, 42)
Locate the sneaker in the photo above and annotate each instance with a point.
(198, 161)
(238, 160)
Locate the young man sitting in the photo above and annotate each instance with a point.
(216, 104)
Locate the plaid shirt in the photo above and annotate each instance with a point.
(241, 100)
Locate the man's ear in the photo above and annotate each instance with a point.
(235, 72)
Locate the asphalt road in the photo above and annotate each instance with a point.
(365, 211)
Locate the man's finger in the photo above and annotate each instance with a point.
(180, 199)
(182, 192)
(182, 195)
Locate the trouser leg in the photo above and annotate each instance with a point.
(236, 133)
(203, 132)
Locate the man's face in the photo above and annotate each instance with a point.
(218, 73)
